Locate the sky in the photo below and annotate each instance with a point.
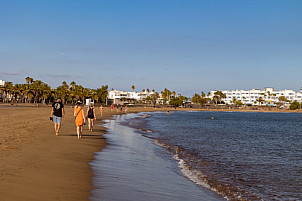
(187, 46)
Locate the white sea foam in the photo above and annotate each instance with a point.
(195, 176)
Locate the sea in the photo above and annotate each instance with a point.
(200, 155)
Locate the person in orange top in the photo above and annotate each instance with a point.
(79, 118)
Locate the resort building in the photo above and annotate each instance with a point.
(251, 97)
(2, 82)
(119, 97)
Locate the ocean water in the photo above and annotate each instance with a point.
(133, 168)
(203, 156)
(241, 156)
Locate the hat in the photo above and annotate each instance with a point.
(79, 103)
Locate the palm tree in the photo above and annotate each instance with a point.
(19, 90)
(72, 85)
(8, 90)
(79, 91)
(174, 93)
(260, 100)
(234, 100)
(133, 87)
(102, 93)
(215, 99)
(65, 90)
(196, 98)
(153, 98)
(29, 80)
(166, 94)
(2, 91)
(148, 90)
(218, 96)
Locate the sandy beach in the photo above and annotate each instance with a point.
(36, 164)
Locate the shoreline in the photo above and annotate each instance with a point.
(152, 172)
(164, 108)
(36, 163)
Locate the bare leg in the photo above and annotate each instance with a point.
(89, 124)
(81, 131)
(78, 132)
(58, 128)
(92, 120)
(55, 126)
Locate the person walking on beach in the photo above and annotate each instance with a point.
(57, 113)
(126, 109)
(111, 107)
(101, 110)
(91, 117)
(79, 118)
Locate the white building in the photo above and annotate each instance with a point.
(2, 82)
(269, 96)
(116, 96)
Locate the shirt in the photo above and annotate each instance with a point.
(57, 109)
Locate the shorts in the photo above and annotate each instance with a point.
(57, 120)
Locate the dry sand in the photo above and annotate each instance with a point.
(38, 165)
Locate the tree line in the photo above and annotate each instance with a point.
(36, 91)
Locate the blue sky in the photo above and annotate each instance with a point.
(184, 45)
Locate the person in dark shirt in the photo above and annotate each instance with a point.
(57, 113)
(91, 117)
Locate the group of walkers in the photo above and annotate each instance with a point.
(119, 108)
(58, 112)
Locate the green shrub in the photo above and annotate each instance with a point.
(294, 105)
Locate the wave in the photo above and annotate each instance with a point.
(192, 167)
(202, 179)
